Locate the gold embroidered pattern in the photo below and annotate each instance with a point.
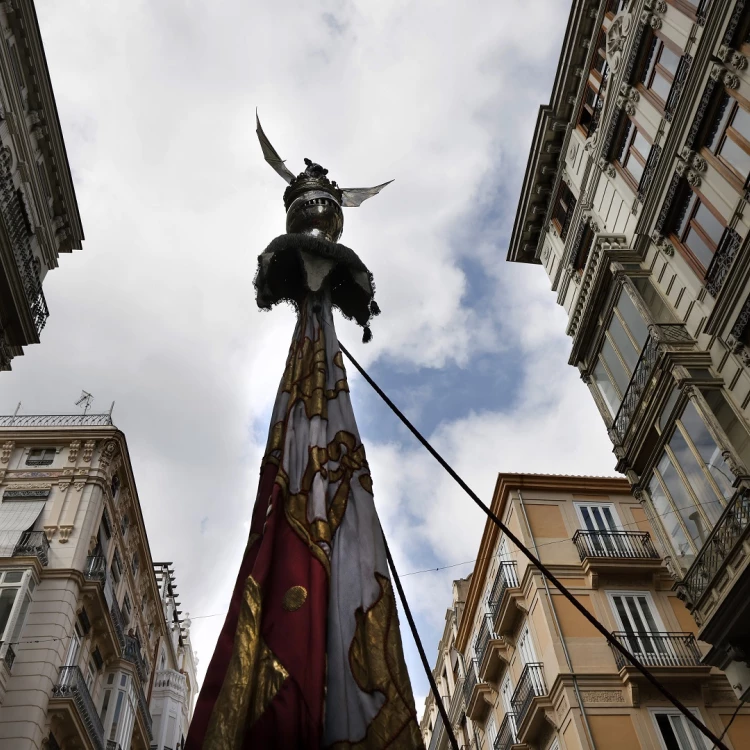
(253, 678)
(377, 663)
(294, 598)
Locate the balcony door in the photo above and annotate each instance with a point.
(600, 520)
(641, 624)
(506, 694)
(675, 731)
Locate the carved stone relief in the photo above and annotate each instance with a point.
(627, 98)
(602, 696)
(6, 451)
(88, 450)
(73, 452)
(616, 39)
(691, 166)
(720, 73)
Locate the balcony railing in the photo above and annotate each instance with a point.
(486, 633)
(16, 218)
(436, 732)
(663, 333)
(72, 685)
(33, 543)
(723, 538)
(722, 261)
(95, 569)
(118, 623)
(144, 712)
(132, 652)
(658, 649)
(456, 702)
(112, 745)
(506, 737)
(507, 578)
(530, 685)
(56, 420)
(7, 654)
(616, 544)
(471, 680)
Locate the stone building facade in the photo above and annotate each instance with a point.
(635, 202)
(534, 674)
(94, 653)
(39, 216)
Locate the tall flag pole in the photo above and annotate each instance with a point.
(310, 653)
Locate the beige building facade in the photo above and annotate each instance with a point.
(95, 653)
(535, 674)
(39, 216)
(635, 202)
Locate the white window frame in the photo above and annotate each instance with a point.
(664, 710)
(651, 604)
(526, 632)
(579, 506)
(15, 623)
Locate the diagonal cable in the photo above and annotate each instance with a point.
(613, 642)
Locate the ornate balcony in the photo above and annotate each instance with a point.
(613, 551)
(658, 649)
(722, 261)
(660, 336)
(486, 632)
(724, 543)
(506, 737)
(505, 598)
(72, 704)
(132, 652)
(33, 544)
(529, 702)
(457, 702)
(95, 569)
(478, 694)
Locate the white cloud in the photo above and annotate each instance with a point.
(157, 312)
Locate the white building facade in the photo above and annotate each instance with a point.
(93, 647)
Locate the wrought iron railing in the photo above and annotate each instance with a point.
(33, 543)
(132, 652)
(722, 261)
(112, 745)
(683, 68)
(16, 218)
(661, 333)
(471, 680)
(8, 654)
(658, 649)
(599, 103)
(618, 544)
(648, 172)
(72, 685)
(95, 569)
(436, 732)
(486, 633)
(725, 535)
(56, 420)
(506, 578)
(144, 712)
(530, 685)
(457, 701)
(506, 737)
(118, 623)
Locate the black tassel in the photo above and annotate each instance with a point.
(366, 335)
(374, 309)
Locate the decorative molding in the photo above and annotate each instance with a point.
(602, 696)
(691, 166)
(73, 453)
(18, 494)
(719, 73)
(734, 339)
(6, 451)
(108, 453)
(607, 168)
(666, 206)
(662, 243)
(734, 21)
(63, 484)
(627, 98)
(683, 68)
(64, 533)
(721, 263)
(616, 39)
(731, 57)
(88, 450)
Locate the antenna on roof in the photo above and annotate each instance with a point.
(18, 408)
(86, 399)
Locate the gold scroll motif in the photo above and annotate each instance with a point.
(253, 678)
(377, 663)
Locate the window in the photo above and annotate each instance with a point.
(116, 567)
(729, 137)
(526, 647)
(600, 517)
(676, 732)
(12, 608)
(74, 647)
(491, 731)
(624, 340)
(690, 486)
(660, 69)
(637, 617)
(40, 457)
(562, 213)
(506, 695)
(634, 150)
(699, 230)
(593, 95)
(115, 486)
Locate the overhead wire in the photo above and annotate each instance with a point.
(614, 643)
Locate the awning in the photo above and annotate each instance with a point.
(16, 516)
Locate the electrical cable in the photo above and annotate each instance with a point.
(420, 647)
(734, 716)
(614, 643)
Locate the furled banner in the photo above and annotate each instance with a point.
(310, 653)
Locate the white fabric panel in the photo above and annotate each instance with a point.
(16, 516)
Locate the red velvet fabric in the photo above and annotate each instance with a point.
(277, 561)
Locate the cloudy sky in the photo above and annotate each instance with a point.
(157, 313)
